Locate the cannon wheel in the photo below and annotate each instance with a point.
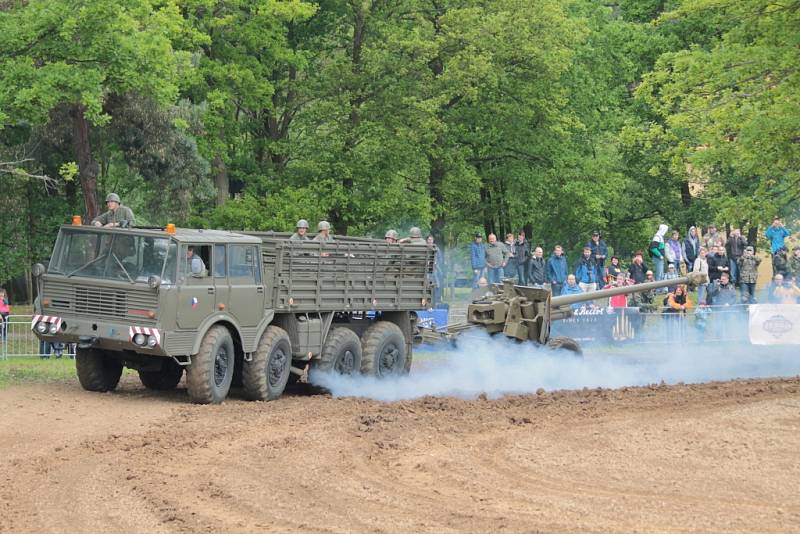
(566, 343)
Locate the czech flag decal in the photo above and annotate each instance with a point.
(194, 302)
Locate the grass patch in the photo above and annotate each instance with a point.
(33, 370)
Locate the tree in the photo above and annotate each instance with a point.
(76, 54)
(736, 99)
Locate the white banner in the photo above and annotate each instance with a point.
(775, 324)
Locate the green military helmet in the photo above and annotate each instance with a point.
(302, 223)
(415, 232)
(113, 197)
(323, 225)
(391, 234)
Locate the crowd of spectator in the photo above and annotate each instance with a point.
(729, 262)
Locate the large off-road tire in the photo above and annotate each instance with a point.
(566, 343)
(96, 370)
(164, 379)
(384, 350)
(341, 353)
(265, 376)
(209, 376)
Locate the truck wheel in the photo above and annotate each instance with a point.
(166, 378)
(384, 350)
(566, 343)
(341, 352)
(265, 376)
(209, 376)
(96, 370)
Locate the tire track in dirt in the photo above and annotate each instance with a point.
(718, 456)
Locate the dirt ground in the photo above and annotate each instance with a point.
(716, 457)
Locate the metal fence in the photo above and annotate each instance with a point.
(705, 324)
(17, 339)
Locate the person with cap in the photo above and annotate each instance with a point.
(301, 231)
(747, 265)
(414, 237)
(323, 232)
(117, 214)
(599, 251)
(477, 255)
(390, 236)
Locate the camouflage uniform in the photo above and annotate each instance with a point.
(794, 266)
(417, 241)
(122, 213)
(323, 239)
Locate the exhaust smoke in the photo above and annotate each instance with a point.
(498, 366)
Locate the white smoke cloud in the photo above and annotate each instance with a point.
(497, 367)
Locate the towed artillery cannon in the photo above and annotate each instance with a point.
(527, 313)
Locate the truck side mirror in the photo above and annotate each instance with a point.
(38, 270)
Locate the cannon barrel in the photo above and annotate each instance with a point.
(691, 279)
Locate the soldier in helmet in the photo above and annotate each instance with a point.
(117, 214)
(301, 231)
(414, 237)
(391, 236)
(324, 232)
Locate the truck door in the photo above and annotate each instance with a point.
(220, 274)
(246, 286)
(196, 293)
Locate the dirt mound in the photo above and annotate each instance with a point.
(720, 456)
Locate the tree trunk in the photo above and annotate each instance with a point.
(87, 166)
(752, 237)
(221, 180)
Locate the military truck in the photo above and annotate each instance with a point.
(527, 313)
(229, 308)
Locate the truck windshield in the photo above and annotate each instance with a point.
(132, 258)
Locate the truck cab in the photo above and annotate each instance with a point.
(132, 294)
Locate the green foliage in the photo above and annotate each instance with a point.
(734, 103)
(452, 115)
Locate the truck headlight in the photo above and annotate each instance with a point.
(151, 341)
(139, 339)
(41, 327)
(53, 328)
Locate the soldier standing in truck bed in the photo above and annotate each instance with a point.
(324, 232)
(301, 231)
(117, 214)
(414, 237)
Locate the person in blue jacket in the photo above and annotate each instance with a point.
(556, 270)
(586, 271)
(477, 256)
(572, 288)
(777, 233)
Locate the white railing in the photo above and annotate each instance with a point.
(17, 339)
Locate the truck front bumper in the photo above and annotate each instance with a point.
(99, 334)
